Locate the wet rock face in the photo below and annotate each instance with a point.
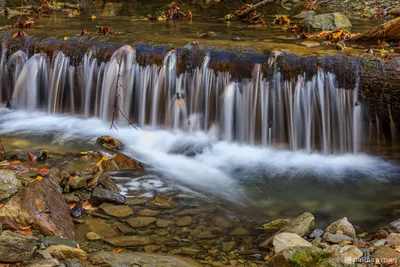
(120, 162)
(327, 22)
(16, 246)
(41, 205)
(100, 195)
(9, 184)
(109, 142)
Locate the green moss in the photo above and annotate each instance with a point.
(309, 259)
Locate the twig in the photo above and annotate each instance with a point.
(245, 12)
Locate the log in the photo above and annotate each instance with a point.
(389, 31)
(245, 12)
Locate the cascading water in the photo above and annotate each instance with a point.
(301, 113)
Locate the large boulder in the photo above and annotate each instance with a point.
(16, 246)
(9, 184)
(326, 22)
(285, 240)
(109, 259)
(342, 225)
(41, 205)
(302, 225)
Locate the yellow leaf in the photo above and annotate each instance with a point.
(38, 178)
(94, 17)
(66, 38)
(337, 34)
(84, 153)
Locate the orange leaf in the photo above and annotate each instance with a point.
(70, 178)
(32, 157)
(398, 69)
(87, 206)
(72, 206)
(1, 206)
(15, 162)
(117, 250)
(43, 170)
(77, 246)
(27, 230)
(347, 242)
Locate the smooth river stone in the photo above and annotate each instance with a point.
(147, 213)
(139, 222)
(101, 228)
(128, 241)
(118, 211)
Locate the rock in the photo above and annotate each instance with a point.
(344, 256)
(285, 240)
(79, 182)
(9, 184)
(135, 201)
(58, 240)
(71, 198)
(284, 257)
(276, 225)
(393, 240)
(101, 228)
(123, 228)
(77, 210)
(316, 233)
(161, 223)
(316, 241)
(16, 246)
(128, 241)
(109, 259)
(222, 222)
(240, 231)
(109, 142)
(189, 251)
(208, 35)
(147, 213)
(9, 224)
(342, 225)
(205, 235)
(327, 22)
(45, 263)
(93, 236)
(41, 205)
(381, 234)
(62, 252)
(184, 221)
(116, 210)
(302, 226)
(310, 44)
(120, 162)
(304, 14)
(45, 254)
(100, 195)
(151, 248)
(384, 252)
(161, 203)
(336, 238)
(228, 246)
(2, 152)
(141, 221)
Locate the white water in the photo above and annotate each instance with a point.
(299, 113)
(215, 170)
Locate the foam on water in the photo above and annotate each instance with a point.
(220, 169)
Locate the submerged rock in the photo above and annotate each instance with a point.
(184, 221)
(128, 241)
(147, 213)
(9, 183)
(101, 228)
(119, 211)
(100, 195)
(285, 240)
(45, 263)
(109, 142)
(141, 221)
(336, 238)
(109, 259)
(161, 203)
(275, 225)
(57, 240)
(326, 22)
(2, 152)
(16, 246)
(342, 225)
(41, 205)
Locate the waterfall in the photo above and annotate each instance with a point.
(308, 113)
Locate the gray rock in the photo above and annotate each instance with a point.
(285, 240)
(45, 263)
(16, 246)
(100, 195)
(344, 256)
(109, 259)
(57, 240)
(302, 226)
(393, 240)
(336, 238)
(316, 233)
(327, 22)
(342, 225)
(9, 184)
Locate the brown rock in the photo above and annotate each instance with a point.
(135, 201)
(393, 240)
(151, 248)
(16, 246)
(139, 222)
(239, 231)
(101, 228)
(42, 206)
(45, 263)
(9, 184)
(161, 203)
(119, 162)
(118, 211)
(63, 252)
(128, 241)
(147, 213)
(109, 142)
(2, 152)
(184, 221)
(123, 228)
(161, 223)
(9, 224)
(381, 234)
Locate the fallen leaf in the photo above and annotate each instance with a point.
(71, 178)
(72, 206)
(32, 157)
(398, 69)
(43, 170)
(77, 246)
(347, 242)
(66, 38)
(117, 250)
(84, 153)
(38, 178)
(15, 162)
(27, 230)
(87, 206)
(93, 17)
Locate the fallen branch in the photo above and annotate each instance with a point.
(389, 31)
(247, 11)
